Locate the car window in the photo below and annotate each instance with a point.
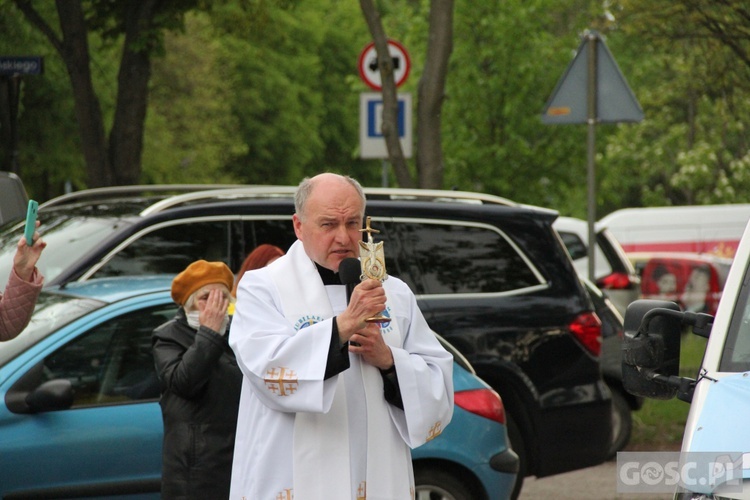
(448, 258)
(112, 363)
(52, 311)
(613, 253)
(67, 238)
(256, 231)
(576, 247)
(169, 249)
(735, 356)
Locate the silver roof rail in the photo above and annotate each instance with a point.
(219, 195)
(130, 190)
(288, 191)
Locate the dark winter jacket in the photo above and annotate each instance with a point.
(200, 394)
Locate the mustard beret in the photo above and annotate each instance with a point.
(198, 274)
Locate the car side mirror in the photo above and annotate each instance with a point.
(651, 348)
(50, 396)
(31, 394)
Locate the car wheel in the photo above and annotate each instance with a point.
(622, 422)
(518, 445)
(437, 484)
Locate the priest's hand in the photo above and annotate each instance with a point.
(368, 343)
(367, 300)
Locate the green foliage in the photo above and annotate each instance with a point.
(267, 91)
(500, 77)
(692, 147)
(48, 144)
(191, 133)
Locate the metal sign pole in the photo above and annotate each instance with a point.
(592, 84)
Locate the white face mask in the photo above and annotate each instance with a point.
(194, 322)
(192, 319)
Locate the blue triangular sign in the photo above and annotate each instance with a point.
(615, 102)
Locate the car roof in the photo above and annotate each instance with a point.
(579, 226)
(168, 196)
(684, 256)
(113, 289)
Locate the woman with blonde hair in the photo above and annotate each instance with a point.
(200, 385)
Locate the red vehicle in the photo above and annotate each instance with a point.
(694, 281)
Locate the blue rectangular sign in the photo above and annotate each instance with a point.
(374, 113)
(30, 65)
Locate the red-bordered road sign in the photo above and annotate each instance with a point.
(368, 64)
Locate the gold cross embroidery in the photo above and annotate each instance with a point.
(281, 381)
(362, 491)
(435, 430)
(285, 495)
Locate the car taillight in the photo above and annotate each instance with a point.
(615, 281)
(483, 402)
(587, 328)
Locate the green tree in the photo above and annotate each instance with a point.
(507, 60)
(693, 85)
(112, 157)
(48, 145)
(191, 132)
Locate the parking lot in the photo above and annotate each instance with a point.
(594, 483)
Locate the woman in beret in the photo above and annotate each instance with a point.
(200, 385)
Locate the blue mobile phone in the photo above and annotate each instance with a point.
(30, 222)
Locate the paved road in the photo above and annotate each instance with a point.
(594, 483)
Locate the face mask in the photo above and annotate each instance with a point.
(192, 319)
(194, 322)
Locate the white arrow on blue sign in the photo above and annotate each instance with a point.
(371, 140)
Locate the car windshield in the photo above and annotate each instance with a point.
(735, 356)
(52, 311)
(69, 234)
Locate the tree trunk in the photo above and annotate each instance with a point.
(390, 98)
(119, 160)
(74, 49)
(431, 93)
(126, 137)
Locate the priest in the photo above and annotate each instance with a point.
(331, 403)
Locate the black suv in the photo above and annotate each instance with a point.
(491, 276)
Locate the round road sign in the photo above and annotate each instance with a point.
(368, 64)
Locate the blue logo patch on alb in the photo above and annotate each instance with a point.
(307, 320)
(386, 327)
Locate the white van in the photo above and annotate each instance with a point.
(719, 396)
(713, 229)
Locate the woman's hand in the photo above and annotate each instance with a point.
(215, 310)
(27, 256)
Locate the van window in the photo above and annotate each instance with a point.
(447, 258)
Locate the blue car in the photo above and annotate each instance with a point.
(79, 411)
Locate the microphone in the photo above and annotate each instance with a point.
(350, 270)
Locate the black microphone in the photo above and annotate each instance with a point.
(349, 272)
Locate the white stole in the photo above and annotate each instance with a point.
(321, 440)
